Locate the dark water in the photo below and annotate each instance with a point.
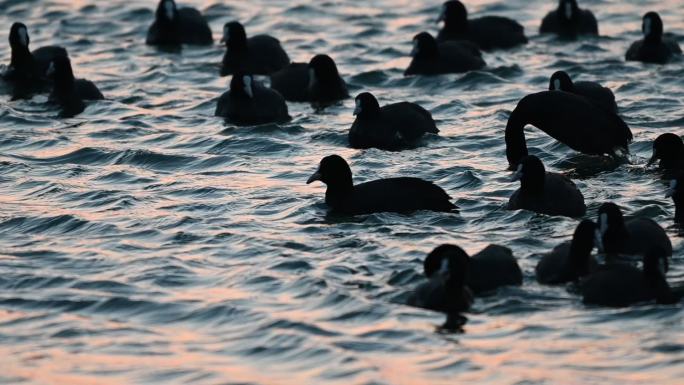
(146, 242)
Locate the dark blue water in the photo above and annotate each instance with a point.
(147, 242)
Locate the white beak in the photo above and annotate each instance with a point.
(248, 85)
(358, 108)
(442, 15)
(444, 268)
(556, 85)
(598, 239)
(168, 7)
(312, 77)
(23, 37)
(568, 11)
(647, 26)
(671, 190)
(414, 50)
(51, 69)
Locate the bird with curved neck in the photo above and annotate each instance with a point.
(569, 261)
(568, 21)
(489, 32)
(545, 192)
(599, 95)
(654, 47)
(572, 120)
(400, 195)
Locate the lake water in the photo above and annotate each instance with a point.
(147, 242)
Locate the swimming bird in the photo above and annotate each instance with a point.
(676, 192)
(630, 239)
(258, 55)
(446, 290)
(69, 92)
(317, 82)
(602, 96)
(569, 261)
(568, 21)
(489, 32)
(250, 103)
(174, 26)
(27, 70)
(654, 47)
(571, 119)
(668, 151)
(434, 58)
(391, 127)
(545, 192)
(493, 267)
(400, 195)
(621, 284)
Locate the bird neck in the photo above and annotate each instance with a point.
(516, 147)
(20, 57)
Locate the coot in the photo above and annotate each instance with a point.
(317, 82)
(258, 55)
(433, 58)
(174, 26)
(391, 127)
(489, 32)
(400, 195)
(602, 96)
(250, 103)
(68, 91)
(568, 21)
(545, 192)
(654, 47)
(571, 119)
(569, 261)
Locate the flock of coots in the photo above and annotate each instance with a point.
(581, 115)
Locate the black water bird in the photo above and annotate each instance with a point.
(250, 103)
(68, 92)
(489, 32)
(620, 284)
(27, 70)
(493, 267)
(676, 192)
(654, 47)
(602, 96)
(174, 26)
(401, 195)
(545, 192)
(668, 152)
(446, 290)
(391, 127)
(430, 57)
(632, 238)
(572, 120)
(569, 20)
(258, 55)
(318, 82)
(569, 261)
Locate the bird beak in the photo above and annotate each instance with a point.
(598, 239)
(51, 69)
(671, 190)
(442, 16)
(316, 176)
(357, 109)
